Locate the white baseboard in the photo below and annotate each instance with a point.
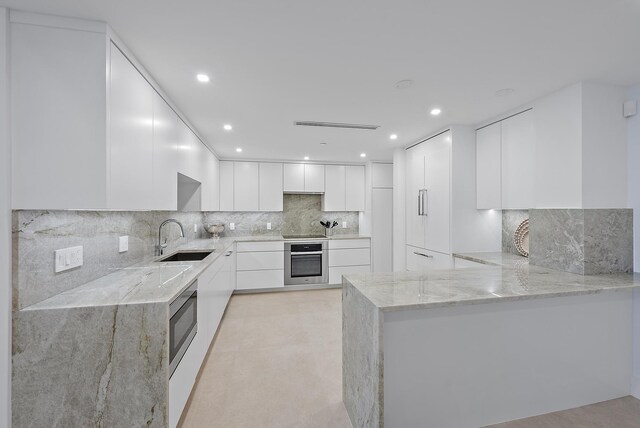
(635, 387)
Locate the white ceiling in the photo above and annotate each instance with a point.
(274, 62)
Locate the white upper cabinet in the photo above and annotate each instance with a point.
(303, 178)
(294, 177)
(131, 133)
(488, 167)
(165, 155)
(226, 186)
(92, 132)
(270, 187)
(210, 181)
(335, 188)
(517, 161)
(313, 178)
(245, 186)
(504, 163)
(355, 188)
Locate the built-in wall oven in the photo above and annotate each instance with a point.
(306, 262)
(183, 324)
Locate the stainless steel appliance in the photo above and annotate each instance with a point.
(183, 324)
(306, 262)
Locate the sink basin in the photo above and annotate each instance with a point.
(186, 256)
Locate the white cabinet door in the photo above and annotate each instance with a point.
(488, 167)
(354, 188)
(350, 257)
(438, 195)
(270, 187)
(165, 156)
(294, 177)
(245, 186)
(131, 132)
(415, 223)
(336, 272)
(517, 161)
(419, 259)
(210, 181)
(226, 186)
(188, 151)
(335, 187)
(382, 229)
(313, 178)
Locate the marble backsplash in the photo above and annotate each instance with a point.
(582, 241)
(511, 219)
(37, 234)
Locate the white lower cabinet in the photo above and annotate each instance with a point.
(260, 265)
(348, 256)
(419, 259)
(215, 286)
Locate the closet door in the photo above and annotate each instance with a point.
(438, 199)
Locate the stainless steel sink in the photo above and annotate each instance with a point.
(186, 256)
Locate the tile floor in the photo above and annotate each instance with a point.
(276, 362)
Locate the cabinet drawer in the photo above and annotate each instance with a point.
(260, 260)
(419, 259)
(349, 243)
(350, 257)
(260, 246)
(251, 279)
(335, 273)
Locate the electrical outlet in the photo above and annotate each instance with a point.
(232, 226)
(195, 228)
(123, 244)
(268, 226)
(68, 258)
(344, 224)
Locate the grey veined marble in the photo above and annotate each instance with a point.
(303, 213)
(583, 241)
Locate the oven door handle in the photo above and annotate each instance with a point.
(302, 253)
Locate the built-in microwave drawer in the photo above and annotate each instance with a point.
(419, 259)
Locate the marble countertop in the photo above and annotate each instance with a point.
(494, 259)
(487, 284)
(148, 281)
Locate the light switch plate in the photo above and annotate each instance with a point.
(268, 226)
(195, 228)
(68, 258)
(232, 226)
(344, 224)
(123, 244)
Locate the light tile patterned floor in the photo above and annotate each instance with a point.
(277, 362)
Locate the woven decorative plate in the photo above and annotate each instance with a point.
(521, 238)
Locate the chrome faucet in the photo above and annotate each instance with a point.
(162, 245)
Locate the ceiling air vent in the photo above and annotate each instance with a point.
(336, 125)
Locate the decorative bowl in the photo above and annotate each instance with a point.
(214, 228)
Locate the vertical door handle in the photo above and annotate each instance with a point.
(419, 202)
(425, 203)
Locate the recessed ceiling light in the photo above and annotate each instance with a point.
(202, 78)
(504, 92)
(404, 84)
(435, 111)
(227, 127)
(306, 158)
(393, 136)
(363, 155)
(323, 144)
(239, 150)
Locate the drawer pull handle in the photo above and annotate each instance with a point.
(423, 255)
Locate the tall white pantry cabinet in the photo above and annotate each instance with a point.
(441, 214)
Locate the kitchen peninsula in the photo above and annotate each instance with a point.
(478, 346)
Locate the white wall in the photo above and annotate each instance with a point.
(399, 188)
(633, 129)
(558, 152)
(5, 227)
(604, 144)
